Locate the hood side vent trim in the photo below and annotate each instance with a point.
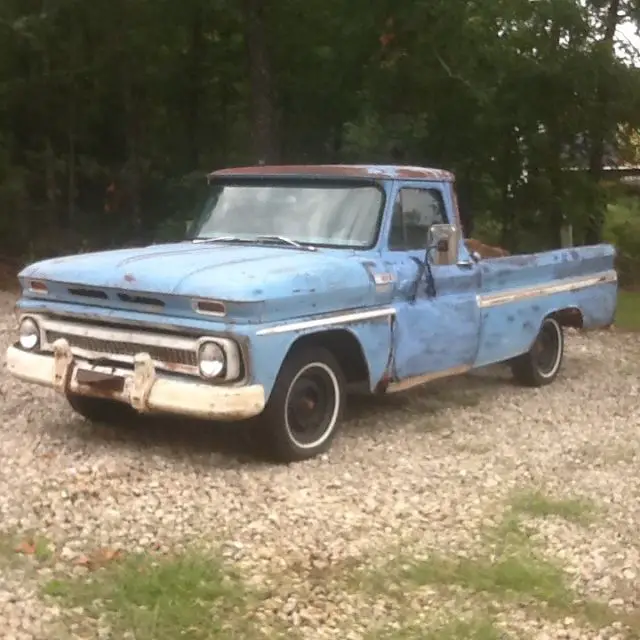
(88, 293)
(143, 300)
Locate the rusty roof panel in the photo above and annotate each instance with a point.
(341, 170)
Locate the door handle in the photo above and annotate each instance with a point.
(466, 264)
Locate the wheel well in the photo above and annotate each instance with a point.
(344, 347)
(569, 317)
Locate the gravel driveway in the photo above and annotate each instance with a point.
(426, 471)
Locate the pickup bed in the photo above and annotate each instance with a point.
(295, 285)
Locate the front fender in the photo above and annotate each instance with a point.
(268, 351)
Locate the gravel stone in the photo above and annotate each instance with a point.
(426, 470)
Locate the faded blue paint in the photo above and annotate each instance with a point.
(510, 329)
(435, 333)
(258, 283)
(267, 286)
(374, 336)
(499, 274)
(266, 352)
(143, 319)
(424, 332)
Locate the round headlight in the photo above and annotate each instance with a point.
(29, 334)
(211, 360)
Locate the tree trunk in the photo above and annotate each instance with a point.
(132, 182)
(72, 125)
(263, 111)
(71, 165)
(51, 187)
(195, 86)
(50, 178)
(600, 129)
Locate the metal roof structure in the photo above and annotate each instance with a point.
(373, 171)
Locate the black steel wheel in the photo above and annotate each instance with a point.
(541, 364)
(305, 406)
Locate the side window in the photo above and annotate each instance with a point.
(414, 211)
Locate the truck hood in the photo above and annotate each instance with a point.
(235, 273)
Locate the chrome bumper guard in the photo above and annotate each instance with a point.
(144, 388)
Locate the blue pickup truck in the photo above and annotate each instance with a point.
(296, 285)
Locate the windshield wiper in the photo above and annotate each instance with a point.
(218, 239)
(285, 240)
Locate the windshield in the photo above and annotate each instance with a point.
(333, 215)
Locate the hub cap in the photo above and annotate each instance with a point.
(312, 405)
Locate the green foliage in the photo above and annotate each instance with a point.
(109, 109)
(622, 229)
(628, 311)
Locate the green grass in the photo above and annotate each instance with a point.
(508, 569)
(536, 504)
(628, 311)
(42, 551)
(511, 572)
(509, 566)
(519, 575)
(159, 598)
(14, 547)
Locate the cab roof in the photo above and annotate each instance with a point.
(374, 171)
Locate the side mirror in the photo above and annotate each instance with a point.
(442, 239)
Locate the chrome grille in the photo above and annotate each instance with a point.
(114, 348)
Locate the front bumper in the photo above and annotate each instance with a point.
(143, 388)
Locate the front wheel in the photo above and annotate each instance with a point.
(306, 405)
(541, 364)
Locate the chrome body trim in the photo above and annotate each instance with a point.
(414, 381)
(329, 321)
(558, 286)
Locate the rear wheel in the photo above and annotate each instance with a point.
(541, 364)
(305, 407)
(101, 410)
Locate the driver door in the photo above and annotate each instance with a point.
(437, 334)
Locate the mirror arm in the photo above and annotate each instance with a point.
(418, 279)
(423, 266)
(431, 283)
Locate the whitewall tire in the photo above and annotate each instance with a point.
(542, 363)
(306, 405)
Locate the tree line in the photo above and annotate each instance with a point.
(112, 111)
